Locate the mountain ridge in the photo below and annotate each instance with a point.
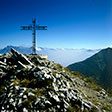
(98, 66)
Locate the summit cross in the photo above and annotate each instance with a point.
(34, 27)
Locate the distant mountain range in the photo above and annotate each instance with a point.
(99, 66)
(62, 56)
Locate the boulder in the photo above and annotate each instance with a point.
(20, 57)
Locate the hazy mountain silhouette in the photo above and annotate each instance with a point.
(99, 66)
(63, 56)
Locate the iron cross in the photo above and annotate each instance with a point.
(33, 27)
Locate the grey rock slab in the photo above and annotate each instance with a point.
(31, 94)
(25, 110)
(66, 105)
(21, 57)
(55, 87)
(2, 63)
(56, 98)
(37, 101)
(48, 103)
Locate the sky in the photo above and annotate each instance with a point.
(71, 23)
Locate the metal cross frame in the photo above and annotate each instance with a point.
(34, 27)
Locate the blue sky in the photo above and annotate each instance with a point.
(71, 23)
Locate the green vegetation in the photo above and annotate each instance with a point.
(54, 72)
(59, 67)
(26, 103)
(2, 89)
(74, 108)
(92, 84)
(109, 92)
(78, 74)
(70, 109)
(25, 83)
(106, 107)
(39, 92)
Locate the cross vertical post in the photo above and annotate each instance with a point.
(34, 36)
(33, 27)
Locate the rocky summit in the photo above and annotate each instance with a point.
(32, 83)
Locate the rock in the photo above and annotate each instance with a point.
(20, 66)
(55, 99)
(55, 87)
(2, 63)
(62, 95)
(20, 57)
(31, 94)
(20, 101)
(43, 57)
(66, 105)
(36, 60)
(24, 96)
(48, 104)
(42, 106)
(25, 110)
(2, 67)
(37, 101)
(103, 93)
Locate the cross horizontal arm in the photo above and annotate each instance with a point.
(26, 27)
(41, 27)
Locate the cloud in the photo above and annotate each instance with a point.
(58, 55)
(68, 56)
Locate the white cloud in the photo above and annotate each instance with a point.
(67, 56)
(58, 55)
